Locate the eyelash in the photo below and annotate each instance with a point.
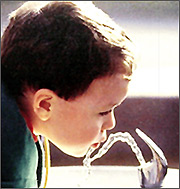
(105, 113)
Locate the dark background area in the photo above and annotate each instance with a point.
(156, 117)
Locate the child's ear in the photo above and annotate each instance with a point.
(42, 104)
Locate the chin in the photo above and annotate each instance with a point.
(75, 154)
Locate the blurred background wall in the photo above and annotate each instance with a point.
(153, 100)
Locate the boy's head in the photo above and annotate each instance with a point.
(69, 63)
(62, 46)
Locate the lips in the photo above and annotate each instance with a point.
(95, 145)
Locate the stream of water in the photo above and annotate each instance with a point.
(119, 136)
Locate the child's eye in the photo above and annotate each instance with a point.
(105, 113)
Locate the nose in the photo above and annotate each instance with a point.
(109, 122)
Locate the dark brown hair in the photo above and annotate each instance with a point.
(62, 46)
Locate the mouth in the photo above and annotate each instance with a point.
(95, 145)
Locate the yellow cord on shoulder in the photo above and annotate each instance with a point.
(47, 159)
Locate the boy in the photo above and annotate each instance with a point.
(65, 67)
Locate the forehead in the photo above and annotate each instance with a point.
(106, 91)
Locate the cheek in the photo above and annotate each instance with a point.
(74, 131)
(86, 127)
(76, 127)
(88, 130)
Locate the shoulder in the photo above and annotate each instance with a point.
(18, 150)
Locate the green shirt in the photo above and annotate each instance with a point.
(21, 158)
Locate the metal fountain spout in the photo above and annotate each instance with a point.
(152, 173)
